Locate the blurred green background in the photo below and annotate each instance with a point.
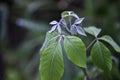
(23, 25)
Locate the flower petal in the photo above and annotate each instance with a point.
(80, 31)
(63, 23)
(59, 28)
(75, 15)
(53, 22)
(73, 30)
(53, 28)
(78, 21)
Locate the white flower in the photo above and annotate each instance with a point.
(77, 29)
(55, 25)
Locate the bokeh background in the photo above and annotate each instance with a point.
(23, 25)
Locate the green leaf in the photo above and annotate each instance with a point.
(75, 50)
(109, 40)
(101, 56)
(51, 61)
(93, 30)
(48, 37)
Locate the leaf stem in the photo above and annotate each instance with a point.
(91, 44)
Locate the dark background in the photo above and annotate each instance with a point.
(23, 25)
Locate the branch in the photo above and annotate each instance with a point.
(86, 74)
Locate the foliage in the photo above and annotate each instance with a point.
(66, 30)
(23, 24)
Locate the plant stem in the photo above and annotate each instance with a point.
(86, 74)
(91, 44)
(84, 69)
